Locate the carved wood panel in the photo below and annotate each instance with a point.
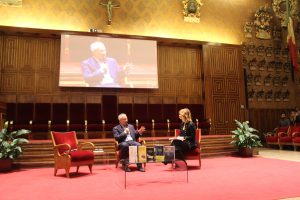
(266, 120)
(30, 65)
(224, 87)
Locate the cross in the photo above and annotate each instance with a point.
(109, 6)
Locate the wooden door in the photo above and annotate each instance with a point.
(224, 87)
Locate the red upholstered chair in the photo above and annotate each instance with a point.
(296, 137)
(272, 138)
(67, 152)
(287, 138)
(196, 153)
(117, 152)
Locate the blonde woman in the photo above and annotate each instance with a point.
(187, 141)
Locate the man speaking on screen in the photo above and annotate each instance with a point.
(99, 70)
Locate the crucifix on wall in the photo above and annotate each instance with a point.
(109, 4)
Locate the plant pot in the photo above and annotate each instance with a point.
(246, 152)
(5, 164)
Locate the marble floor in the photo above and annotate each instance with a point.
(280, 154)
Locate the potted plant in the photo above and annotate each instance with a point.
(244, 138)
(10, 148)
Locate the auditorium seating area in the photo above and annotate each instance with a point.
(285, 136)
(96, 120)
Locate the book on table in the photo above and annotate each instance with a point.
(159, 153)
(142, 158)
(133, 154)
(150, 154)
(169, 153)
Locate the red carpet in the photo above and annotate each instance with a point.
(220, 178)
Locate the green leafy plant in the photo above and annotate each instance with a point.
(10, 143)
(244, 137)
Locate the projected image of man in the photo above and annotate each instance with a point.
(99, 70)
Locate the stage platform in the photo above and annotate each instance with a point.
(39, 153)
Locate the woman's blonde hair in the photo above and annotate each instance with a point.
(186, 114)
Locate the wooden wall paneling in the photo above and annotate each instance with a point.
(93, 113)
(266, 120)
(11, 112)
(11, 54)
(61, 98)
(95, 99)
(155, 100)
(54, 61)
(31, 68)
(9, 82)
(59, 113)
(77, 113)
(122, 99)
(180, 70)
(43, 98)
(110, 109)
(26, 71)
(197, 111)
(47, 61)
(1, 55)
(25, 98)
(24, 113)
(182, 100)
(224, 87)
(170, 112)
(140, 113)
(128, 110)
(42, 113)
(156, 113)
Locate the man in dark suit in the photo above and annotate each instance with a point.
(126, 135)
(99, 70)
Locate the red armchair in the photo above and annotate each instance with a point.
(287, 138)
(196, 153)
(117, 152)
(273, 138)
(296, 138)
(67, 152)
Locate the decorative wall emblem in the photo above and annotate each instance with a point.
(260, 95)
(191, 10)
(286, 95)
(269, 95)
(279, 7)
(244, 61)
(277, 51)
(252, 64)
(276, 80)
(262, 22)
(260, 50)
(278, 66)
(251, 49)
(269, 51)
(248, 27)
(257, 79)
(270, 66)
(244, 49)
(285, 52)
(277, 33)
(277, 95)
(268, 80)
(287, 67)
(251, 94)
(262, 65)
(249, 79)
(285, 80)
